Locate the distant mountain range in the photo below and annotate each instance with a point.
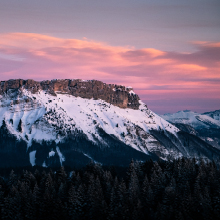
(70, 122)
(205, 125)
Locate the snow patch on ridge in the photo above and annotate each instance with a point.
(62, 158)
(32, 157)
(51, 153)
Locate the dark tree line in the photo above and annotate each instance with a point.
(182, 189)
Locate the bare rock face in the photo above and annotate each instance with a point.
(114, 94)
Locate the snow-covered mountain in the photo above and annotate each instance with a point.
(70, 122)
(214, 114)
(206, 125)
(194, 119)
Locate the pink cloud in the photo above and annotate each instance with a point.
(155, 73)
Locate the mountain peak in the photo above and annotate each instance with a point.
(118, 95)
(70, 121)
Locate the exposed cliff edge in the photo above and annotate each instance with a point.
(118, 95)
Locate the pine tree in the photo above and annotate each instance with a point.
(19, 129)
(49, 194)
(72, 202)
(1, 201)
(4, 126)
(133, 190)
(144, 189)
(111, 209)
(98, 207)
(36, 197)
(186, 203)
(12, 205)
(61, 175)
(207, 205)
(106, 182)
(12, 179)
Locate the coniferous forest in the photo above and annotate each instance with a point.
(181, 189)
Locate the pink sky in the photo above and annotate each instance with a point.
(167, 81)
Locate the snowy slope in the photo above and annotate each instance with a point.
(206, 125)
(214, 114)
(192, 118)
(46, 117)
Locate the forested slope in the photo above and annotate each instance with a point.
(182, 189)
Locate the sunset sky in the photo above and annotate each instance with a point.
(168, 51)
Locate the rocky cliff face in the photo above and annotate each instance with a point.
(114, 94)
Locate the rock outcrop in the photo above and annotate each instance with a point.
(114, 94)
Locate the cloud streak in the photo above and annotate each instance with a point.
(158, 75)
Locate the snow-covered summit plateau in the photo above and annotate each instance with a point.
(72, 121)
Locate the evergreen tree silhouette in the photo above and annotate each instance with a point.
(19, 128)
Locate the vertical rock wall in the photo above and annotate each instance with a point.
(115, 94)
